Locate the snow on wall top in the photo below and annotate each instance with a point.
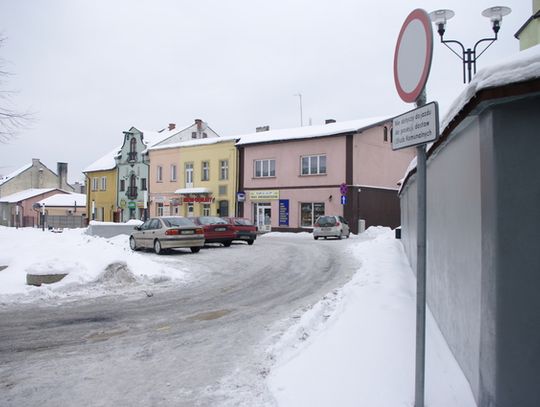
(65, 200)
(310, 131)
(27, 193)
(14, 173)
(519, 67)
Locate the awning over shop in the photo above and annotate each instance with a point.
(189, 191)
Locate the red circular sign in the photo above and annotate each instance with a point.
(412, 56)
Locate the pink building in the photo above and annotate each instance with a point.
(290, 177)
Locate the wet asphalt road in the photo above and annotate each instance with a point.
(195, 344)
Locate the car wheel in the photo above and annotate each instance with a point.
(250, 242)
(195, 249)
(340, 236)
(315, 237)
(133, 244)
(227, 243)
(157, 247)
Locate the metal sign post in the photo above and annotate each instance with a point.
(412, 63)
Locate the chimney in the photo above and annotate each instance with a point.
(62, 175)
(262, 128)
(172, 126)
(35, 162)
(329, 121)
(198, 122)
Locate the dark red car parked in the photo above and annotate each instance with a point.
(245, 230)
(216, 230)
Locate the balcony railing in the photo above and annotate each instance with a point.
(131, 192)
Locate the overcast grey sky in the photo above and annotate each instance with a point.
(92, 69)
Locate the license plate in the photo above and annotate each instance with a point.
(187, 232)
(326, 229)
(220, 229)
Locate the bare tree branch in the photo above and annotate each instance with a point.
(11, 121)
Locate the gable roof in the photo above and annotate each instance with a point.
(195, 142)
(26, 194)
(14, 173)
(307, 132)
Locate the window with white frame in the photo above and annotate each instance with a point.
(173, 172)
(205, 209)
(95, 183)
(265, 168)
(314, 165)
(189, 175)
(205, 171)
(309, 212)
(159, 173)
(223, 170)
(159, 209)
(103, 186)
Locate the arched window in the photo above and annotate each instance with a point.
(132, 156)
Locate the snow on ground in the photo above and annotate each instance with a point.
(353, 348)
(90, 262)
(356, 347)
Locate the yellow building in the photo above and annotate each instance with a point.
(529, 33)
(101, 188)
(194, 178)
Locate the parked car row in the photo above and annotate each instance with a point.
(173, 232)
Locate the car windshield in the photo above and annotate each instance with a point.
(177, 221)
(326, 221)
(242, 222)
(211, 220)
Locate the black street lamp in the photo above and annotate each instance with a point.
(469, 56)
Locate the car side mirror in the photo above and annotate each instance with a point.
(137, 228)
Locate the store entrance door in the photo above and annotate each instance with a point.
(264, 217)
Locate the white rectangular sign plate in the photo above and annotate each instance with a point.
(419, 126)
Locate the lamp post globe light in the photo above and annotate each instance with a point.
(469, 56)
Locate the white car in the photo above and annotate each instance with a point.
(331, 226)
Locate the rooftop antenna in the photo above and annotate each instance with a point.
(301, 118)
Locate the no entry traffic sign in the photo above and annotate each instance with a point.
(413, 54)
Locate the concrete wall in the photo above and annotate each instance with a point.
(483, 260)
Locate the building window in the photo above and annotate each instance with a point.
(132, 189)
(309, 212)
(159, 173)
(159, 209)
(265, 168)
(223, 208)
(103, 186)
(314, 165)
(204, 135)
(205, 173)
(132, 155)
(190, 209)
(223, 170)
(143, 184)
(194, 134)
(173, 172)
(122, 185)
(189, 175)
(385, 134)
(222, 190)
(95, 183)
(205, 209)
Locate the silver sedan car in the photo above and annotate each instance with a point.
(167, 232)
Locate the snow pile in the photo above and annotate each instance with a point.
(89, 262)
(365, 353)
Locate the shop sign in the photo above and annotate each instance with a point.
(198, 199)
(283, 212)
(132, 205)
(264, 195)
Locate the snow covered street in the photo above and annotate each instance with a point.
(288, 321)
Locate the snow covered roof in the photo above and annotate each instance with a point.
(186, 191)
(520, 67)
(65, 200)
(14, 173)
(104, 163)
(195, 142)
(310, 131)
(27, 193)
